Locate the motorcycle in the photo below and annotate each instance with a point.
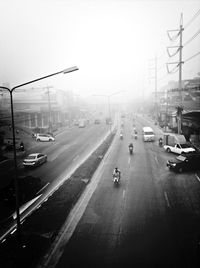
(160, 143)
(131, 150)
(121, 137)
(116, 179)
(135, 136)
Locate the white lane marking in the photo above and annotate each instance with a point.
(129, 160)
(156, 159)
(197, 177)
(167, 199)
(75, 158)
(124, 194)
(43, 188)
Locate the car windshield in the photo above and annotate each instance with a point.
(31, 157)
(185, 146)
(148, 133)
(181, 158)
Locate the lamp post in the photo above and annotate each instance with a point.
(109, 96)
(68, 70)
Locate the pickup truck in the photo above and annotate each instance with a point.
(176, 143)
(179, 148)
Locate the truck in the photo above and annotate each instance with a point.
(82, 123)
(176, 143)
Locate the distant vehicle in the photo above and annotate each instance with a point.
(108, 121)
(44, 137)
(185, 162)
(177, 144)
(97, 121)
(35, 159)
(75, 122)
(82, 123)
(148, 134)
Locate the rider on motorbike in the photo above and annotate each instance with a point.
(160, 141)
(117, 173)
(130, 147)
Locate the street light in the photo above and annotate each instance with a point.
(109, 96)
(68, 70)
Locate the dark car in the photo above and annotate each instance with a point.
(185, 162)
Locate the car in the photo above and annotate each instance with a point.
(97, 121)
(184, 162)
(44, 137)
(35, 159)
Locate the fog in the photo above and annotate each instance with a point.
(113, 44)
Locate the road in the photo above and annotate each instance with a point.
(69, 147)
(69, 150)
(151, 219)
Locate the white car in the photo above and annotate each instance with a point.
(44, 137)
(179, 148)
(35, 159)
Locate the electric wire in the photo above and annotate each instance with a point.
(192, 38)
(192, 19)
(193, 56)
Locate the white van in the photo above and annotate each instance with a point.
(148, 134)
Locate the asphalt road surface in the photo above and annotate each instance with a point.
(152, 219)
(68, 148)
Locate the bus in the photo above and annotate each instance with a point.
(148, 134)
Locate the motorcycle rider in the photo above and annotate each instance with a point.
(160, 141)
(117, 173)
(130, 147)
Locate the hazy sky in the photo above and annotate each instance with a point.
(110, 41)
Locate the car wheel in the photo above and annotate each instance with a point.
(38, 140)
(168, 150)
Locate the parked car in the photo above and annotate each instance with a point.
(44, 137)
(183, 162)
(35, 159)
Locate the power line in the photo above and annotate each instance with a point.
(193, 18)
(193, 37)
(192, 56)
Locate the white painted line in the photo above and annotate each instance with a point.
(167, 199)
(25, 206)
(156, 159)
(75, 158)
(124, 194)
(43, 188)
(197, 177)
(14, 231)
(129, 160)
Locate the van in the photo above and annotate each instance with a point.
(148, 134)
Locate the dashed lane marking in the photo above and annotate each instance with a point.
(124, 194)
(167, 199)
(197, 177)
(156, 159)
(75, 158)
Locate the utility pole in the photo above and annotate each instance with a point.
(156, 94)
(179, 65)
(180, 76)
(49, 106)
(154, 68)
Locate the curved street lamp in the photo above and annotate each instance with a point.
(68, 70)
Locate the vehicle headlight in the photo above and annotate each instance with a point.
(173, 164)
